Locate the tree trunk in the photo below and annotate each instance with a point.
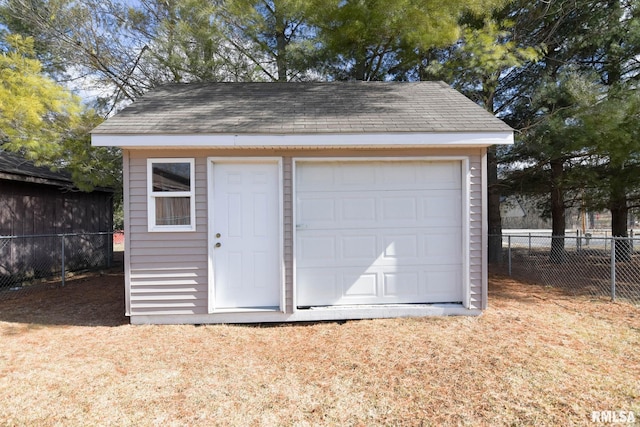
(493, 209)
(619, 223)
(360, 66)
(281, 49)
(558, 221)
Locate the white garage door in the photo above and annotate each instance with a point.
(378, 232)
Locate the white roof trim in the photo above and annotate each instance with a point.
(476, 139)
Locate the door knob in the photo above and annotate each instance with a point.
(218, 244)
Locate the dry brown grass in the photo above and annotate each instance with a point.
(536, 357)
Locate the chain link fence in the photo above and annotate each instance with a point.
(587, 264)
(29, 262)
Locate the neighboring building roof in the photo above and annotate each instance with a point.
(16, 168)
(302, 108)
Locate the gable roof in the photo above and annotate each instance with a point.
(302, 108)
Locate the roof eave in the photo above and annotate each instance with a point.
(60, 184)
(35, 180)
(337, 140)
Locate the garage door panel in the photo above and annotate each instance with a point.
(350, 177)
(444, 207)
(397, 176)
(359, 285)
(314, 177)
(317, 287)
(317, 249)
(360, 247)
(371, 247)
(383, 175)
(355, 208)
(352, 210)
(442, 245)
(320, 287)
(317, 210)
(401, 246)
(378, 232)
(401, 284)
(438, 283)
(400, 209)
(376, 286)
(441, 175)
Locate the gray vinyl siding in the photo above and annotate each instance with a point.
(168, 271)
(126, 191)
(475, 232)
(287, 195)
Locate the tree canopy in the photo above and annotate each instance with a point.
(47, 123)
(34, 109)
(575, 105)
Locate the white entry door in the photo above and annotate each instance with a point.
(378, 232)
(245, 235)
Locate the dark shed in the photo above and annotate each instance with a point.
(35, 200)
(37, 206)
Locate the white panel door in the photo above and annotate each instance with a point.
(378, 232)
(246, 230)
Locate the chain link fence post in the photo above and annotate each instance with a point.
(613, 268)
(62, 267)
(109, 244)
(509, 253)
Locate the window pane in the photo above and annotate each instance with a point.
(173, 210)
(171, 176)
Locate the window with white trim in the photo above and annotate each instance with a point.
(171, 190)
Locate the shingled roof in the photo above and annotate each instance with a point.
(16, 168)
(302, 108)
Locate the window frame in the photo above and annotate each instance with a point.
(152, 196)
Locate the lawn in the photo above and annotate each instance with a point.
(535, 357)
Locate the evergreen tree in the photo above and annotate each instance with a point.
(382, 39)
(477, 66)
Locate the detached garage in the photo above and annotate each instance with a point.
(258, 202)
